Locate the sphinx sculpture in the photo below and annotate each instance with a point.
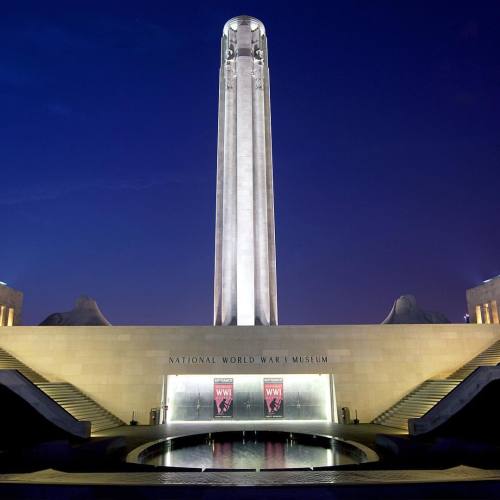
(406, 311)
(85, 313)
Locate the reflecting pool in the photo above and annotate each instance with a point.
(240, 450)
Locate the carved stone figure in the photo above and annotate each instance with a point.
(85, 313)
(406, 311)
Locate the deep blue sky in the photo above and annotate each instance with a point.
(386, 138)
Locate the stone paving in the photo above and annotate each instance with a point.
(267, 478)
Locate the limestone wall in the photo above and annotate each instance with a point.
(122, 367)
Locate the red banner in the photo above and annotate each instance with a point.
(223, 397)
(273, 397)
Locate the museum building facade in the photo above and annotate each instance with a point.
(245, 367)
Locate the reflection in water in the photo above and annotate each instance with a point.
(274, 454)
(222, 455)
(251, 454)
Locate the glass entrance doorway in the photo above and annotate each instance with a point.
(192, 398)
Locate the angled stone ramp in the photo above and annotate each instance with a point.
(28, 411)
(476, 395)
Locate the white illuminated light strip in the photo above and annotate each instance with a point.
(335, 407)
(329, 457)
(329, 391)
(272, 421)
(173, 380)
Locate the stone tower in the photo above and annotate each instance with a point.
(245, 254)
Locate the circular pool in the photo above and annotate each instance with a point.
(251, 450)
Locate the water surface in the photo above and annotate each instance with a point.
(250, 454)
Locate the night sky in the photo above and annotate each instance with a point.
(386, 147)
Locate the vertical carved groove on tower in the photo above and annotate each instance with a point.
(245, 254)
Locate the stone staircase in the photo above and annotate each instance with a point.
(9, 362)
(490, 357)
(66, 395)
(416, 403)
(80, 405)
(425, 396)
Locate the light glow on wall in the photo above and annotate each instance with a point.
(6, 315)
(10, 319)
(487, 313)
(479, 317)
(494, 312)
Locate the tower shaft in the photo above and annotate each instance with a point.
(245, 255)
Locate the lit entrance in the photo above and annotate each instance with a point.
(192, 398)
